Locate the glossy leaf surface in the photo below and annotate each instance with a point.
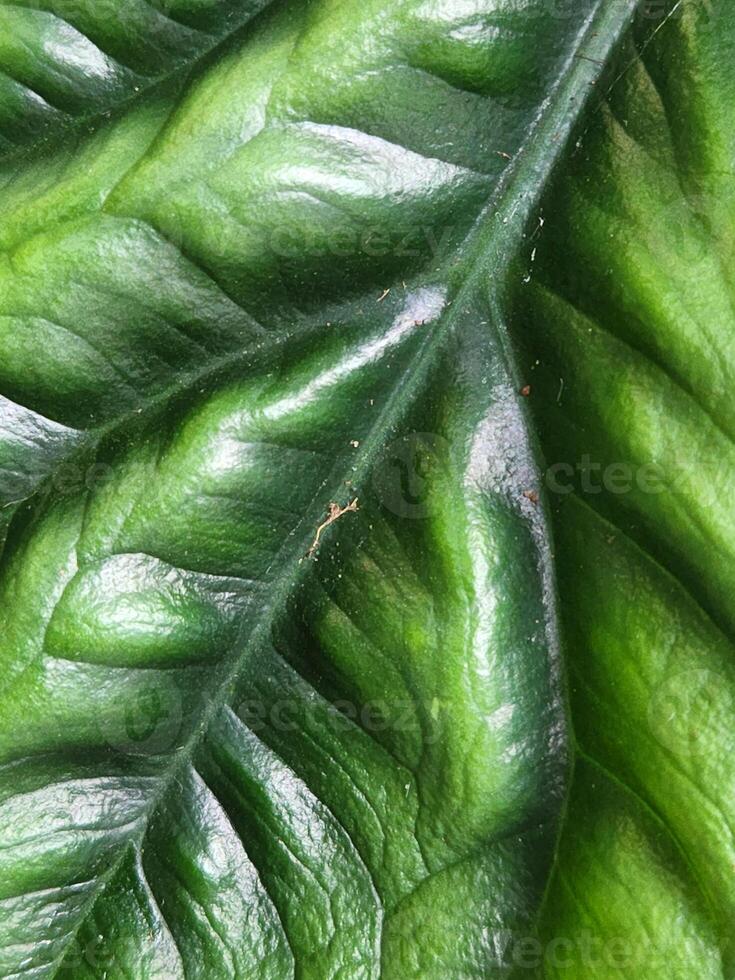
(249, 280)
(625, 317)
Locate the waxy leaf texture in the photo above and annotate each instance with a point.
(365, 438)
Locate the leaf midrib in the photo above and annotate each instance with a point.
(487, 249)
(496, 242)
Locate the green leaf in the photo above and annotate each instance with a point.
(64, 62)
(625, 315)
(281, 687)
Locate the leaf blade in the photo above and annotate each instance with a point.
(301, 409)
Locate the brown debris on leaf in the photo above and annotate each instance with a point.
(335, 512)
